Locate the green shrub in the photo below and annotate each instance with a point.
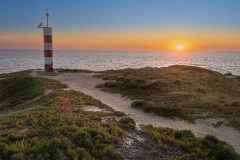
(223, 152)
(132, 84)
(235, 122)
(83, 139)
(119, 113)
(111, 153)
(177, 83)
(167, 110)
(178, 135)
(127, 123)
(8, 152)
(83, 153)
(2, 146)
(18, 156)
(162, 110)
(210, 140)
(139, 104)
(62, 143)
(97, 135)
(170, 111)
(236, 104)
(219, 149)
(120, 79)
(111, 84)
(187, 134)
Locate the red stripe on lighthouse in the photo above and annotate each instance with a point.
(47, 38)
(48, 53)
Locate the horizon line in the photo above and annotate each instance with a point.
(88, 49)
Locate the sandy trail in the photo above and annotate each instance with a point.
(85, 82)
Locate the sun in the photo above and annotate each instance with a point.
(180, 47)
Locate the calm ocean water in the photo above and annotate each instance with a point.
(16, 60)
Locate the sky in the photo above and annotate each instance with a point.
(122, 24)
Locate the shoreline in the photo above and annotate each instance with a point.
(85, 82)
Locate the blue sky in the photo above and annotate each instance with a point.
(18, 14)
(123, 15)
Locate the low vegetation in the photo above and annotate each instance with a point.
(180, 91)
(58, 127)
(15, 74)
(20, 87)
(74, 70)
(186, 146)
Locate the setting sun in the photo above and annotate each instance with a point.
(179, 47)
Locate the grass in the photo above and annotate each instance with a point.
(191, 147)
(20, 88)
(59, 128)
(54, 131)
(56, 126)
(15, 74)
(180, 91)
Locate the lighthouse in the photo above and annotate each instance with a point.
(48, 49)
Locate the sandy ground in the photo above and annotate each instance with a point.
(85, 82)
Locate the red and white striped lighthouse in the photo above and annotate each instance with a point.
(48, 49)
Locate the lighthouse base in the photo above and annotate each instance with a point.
(48, 68)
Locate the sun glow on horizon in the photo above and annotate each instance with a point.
(180, 47)
(122, 40)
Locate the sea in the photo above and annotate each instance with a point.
(12, 60)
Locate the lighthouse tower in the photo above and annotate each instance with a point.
(48, 50)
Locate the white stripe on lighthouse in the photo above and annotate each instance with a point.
(47, 46)
(47, 31)
(48, 60)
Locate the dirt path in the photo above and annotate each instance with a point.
(85, 82)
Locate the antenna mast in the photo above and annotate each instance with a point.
(47, 15)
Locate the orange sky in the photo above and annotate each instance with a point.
(125, 39)
(125, 24)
